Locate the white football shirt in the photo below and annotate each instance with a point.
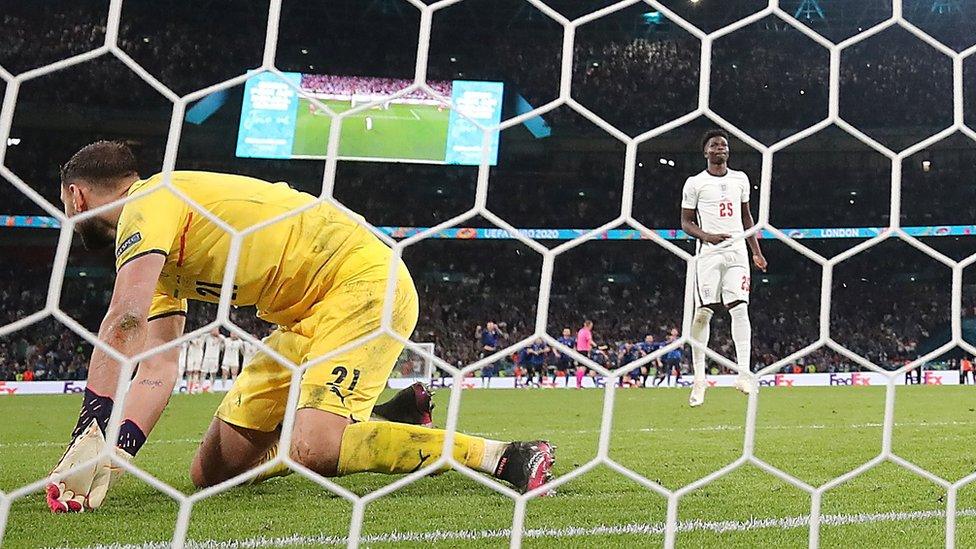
(719, 202)
(232, 351)
(212, 349)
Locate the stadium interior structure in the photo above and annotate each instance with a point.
(635, 69)
(571, 179)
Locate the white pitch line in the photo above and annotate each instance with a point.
(49, 443)
(718, 527)
(707, 428)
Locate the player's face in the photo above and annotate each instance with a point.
(566, 332)
(717, 150)
(95, 233)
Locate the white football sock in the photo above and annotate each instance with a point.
(493, 454)
(700, 325)
(742, 336)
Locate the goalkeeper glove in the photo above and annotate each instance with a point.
(87, 487)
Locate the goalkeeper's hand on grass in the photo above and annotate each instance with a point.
(87, 487)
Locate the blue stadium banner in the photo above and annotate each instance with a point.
(494, 233)
(206, 107)
(29, 222)
(268, 116)
(478, 101)
(536, 125)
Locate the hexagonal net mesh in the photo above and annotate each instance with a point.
(111, 48)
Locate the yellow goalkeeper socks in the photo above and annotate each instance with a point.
(383, 447)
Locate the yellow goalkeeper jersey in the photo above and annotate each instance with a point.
(284, 268)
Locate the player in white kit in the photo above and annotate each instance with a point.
(230, 363)
(194, 361)
(248, 349)
(212, 344)
(182, 361)
(714, 210)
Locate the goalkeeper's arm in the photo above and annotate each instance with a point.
(127, 330)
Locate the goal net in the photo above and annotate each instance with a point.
(420, 359)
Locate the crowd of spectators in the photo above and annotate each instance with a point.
(628, 289)
(584, 190)
(47, 349)
(348, 86)
(765, 79)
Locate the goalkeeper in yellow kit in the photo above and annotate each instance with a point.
(318, 275)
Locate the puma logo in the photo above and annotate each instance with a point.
(338, 393)
(423, 459)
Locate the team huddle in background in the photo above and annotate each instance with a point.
(203, 356)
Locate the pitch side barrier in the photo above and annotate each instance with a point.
(845, 379)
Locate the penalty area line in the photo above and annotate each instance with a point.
(656, 528)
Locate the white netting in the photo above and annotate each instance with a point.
(13, 83)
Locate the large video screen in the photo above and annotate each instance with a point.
(278, 122)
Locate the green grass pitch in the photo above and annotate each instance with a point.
(400, 132)
(813, 433)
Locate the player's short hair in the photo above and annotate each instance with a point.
(716, 132)
(101, 163)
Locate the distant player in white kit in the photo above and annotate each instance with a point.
(211, 355)
(250, 350)
(715, 209)
(181, 364)
(230, 363)
(194, 361)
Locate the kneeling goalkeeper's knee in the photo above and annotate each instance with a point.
(324, 461)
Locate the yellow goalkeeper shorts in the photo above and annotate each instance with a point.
(347, 384)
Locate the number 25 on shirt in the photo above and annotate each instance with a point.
(725, 209)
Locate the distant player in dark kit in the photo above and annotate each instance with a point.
(647, 347)
(536, 357)
(627, 353)
(564, 362)
(672, 361)
(489, 345)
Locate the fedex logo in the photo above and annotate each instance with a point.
(6, 390)
(194, 388)
(71, 387)
(855, 378)
(931, 378)
(680, 382)
(779, 380)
